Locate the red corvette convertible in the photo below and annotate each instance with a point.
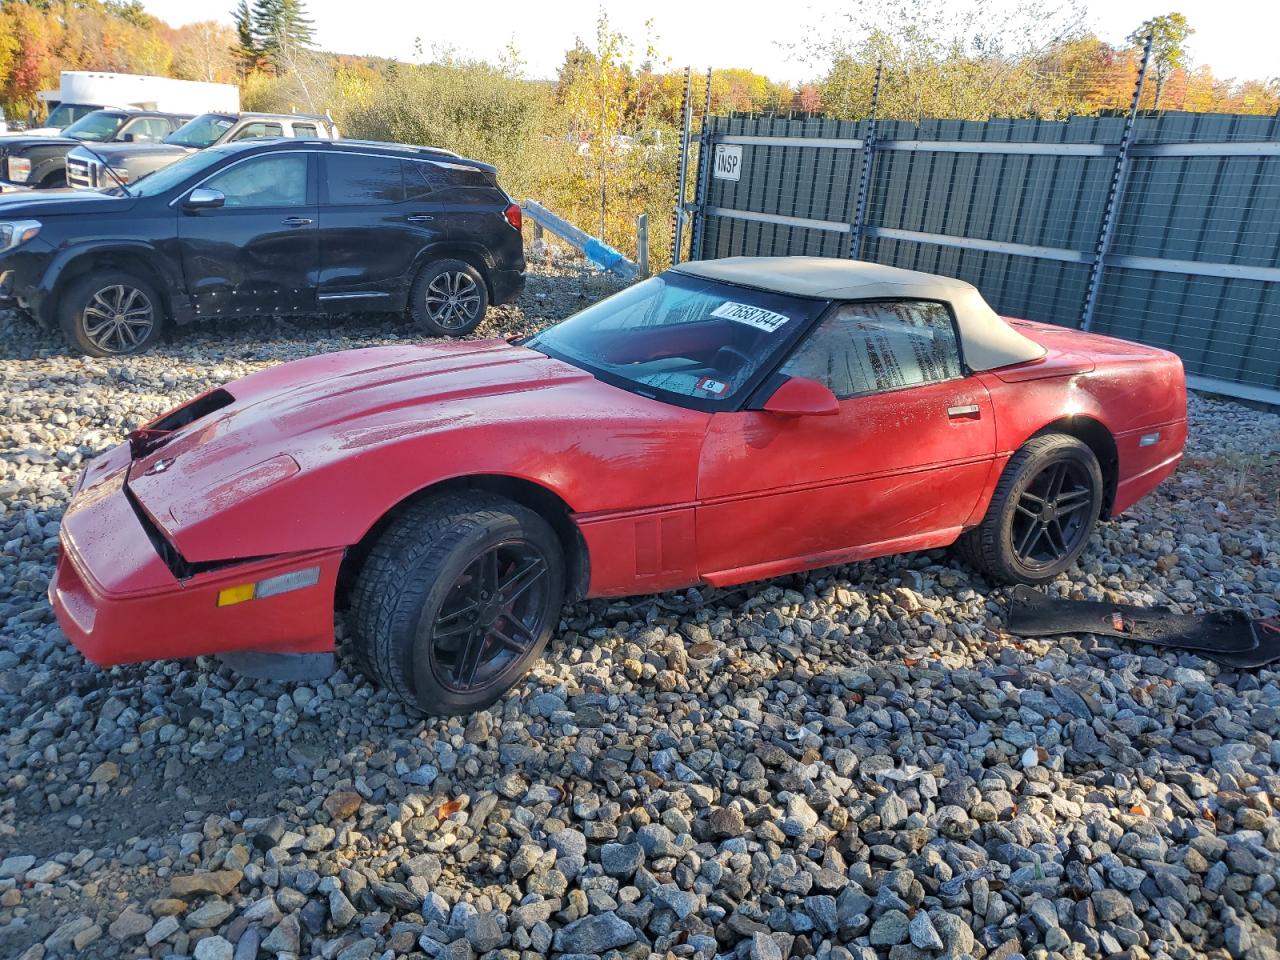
(726, 421)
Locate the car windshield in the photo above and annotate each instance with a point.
(166, 178)
(683, 339)
(97, 126)
(66, 114)
(200, 132)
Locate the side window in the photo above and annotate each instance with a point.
(358, 179)
(258, 128)
(441, 175)
(873, 347)
(147, 130)
(270, 181)
(306, 131)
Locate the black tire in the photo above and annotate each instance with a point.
(1031, 533)
(449, 298)
(411, 598)
(84, 308)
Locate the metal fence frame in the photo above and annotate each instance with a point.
(1098, 257)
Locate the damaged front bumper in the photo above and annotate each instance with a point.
(119, 600)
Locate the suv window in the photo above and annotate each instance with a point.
(268, 181)
(440, 174)
(353, 178)
(147, 129)
(872, 347)
(306, 131)
(259, 128)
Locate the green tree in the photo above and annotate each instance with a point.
(1169, 34)
(246, 48)
(281, 28)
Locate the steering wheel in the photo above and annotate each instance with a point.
(729, 360)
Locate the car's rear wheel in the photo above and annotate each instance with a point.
(1042, 513)
(456, 600)
(449, 298)
(110, 313)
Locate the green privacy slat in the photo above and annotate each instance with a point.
(1198, 208)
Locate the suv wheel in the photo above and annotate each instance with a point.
(110, 313)
(456, 600)
(449, 298)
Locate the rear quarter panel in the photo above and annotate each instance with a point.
(1137, 392)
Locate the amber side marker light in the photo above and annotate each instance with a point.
(283, 583)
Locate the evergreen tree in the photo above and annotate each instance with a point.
(280, 23)
(246, 48)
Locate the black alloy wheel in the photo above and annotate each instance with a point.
(1041, 514)
(490, 618)
(1053, 514)
(456, 598)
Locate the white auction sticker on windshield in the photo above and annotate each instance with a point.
(757, 317)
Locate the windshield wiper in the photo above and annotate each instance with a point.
(107, 167)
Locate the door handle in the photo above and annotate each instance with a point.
(968, 411)
(420, 218)
(296, 221)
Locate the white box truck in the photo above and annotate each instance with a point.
(83, 91)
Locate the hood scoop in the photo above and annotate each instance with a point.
(157, 433)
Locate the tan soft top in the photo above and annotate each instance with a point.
(988, 341)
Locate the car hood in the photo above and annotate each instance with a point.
(112, 151)
(61, 200)
(15, 145)
(352, 419)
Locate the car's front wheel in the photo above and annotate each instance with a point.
(456, 600)
(1042, 513)
(449, 298)
(110, 313)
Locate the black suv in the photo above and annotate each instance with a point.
(41, 162)
(274, 226)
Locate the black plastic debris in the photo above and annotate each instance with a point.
(1227, 636)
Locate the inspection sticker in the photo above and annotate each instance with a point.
(757, 317)
(712, 386)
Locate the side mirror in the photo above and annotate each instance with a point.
(127, 138)
(802, 397)
(204, 199)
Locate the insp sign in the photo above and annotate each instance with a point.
(728, 162)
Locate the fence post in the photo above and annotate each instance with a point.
(642, 243)
(1114, 195)
(686, 120)
(705, 149)
(864, 178)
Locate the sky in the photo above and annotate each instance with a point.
(1237, 38)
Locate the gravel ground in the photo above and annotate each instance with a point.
(856, 762)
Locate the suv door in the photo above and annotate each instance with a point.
(901, 466)
(376, 222)
(257, 253)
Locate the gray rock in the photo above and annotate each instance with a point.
(595, 934)
(214, 948)
(922, 932)
(891, 927)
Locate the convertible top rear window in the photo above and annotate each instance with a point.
(686, 340)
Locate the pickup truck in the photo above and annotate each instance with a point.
(128, 162)
(40, 162)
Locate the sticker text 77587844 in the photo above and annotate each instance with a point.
(757, 317)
